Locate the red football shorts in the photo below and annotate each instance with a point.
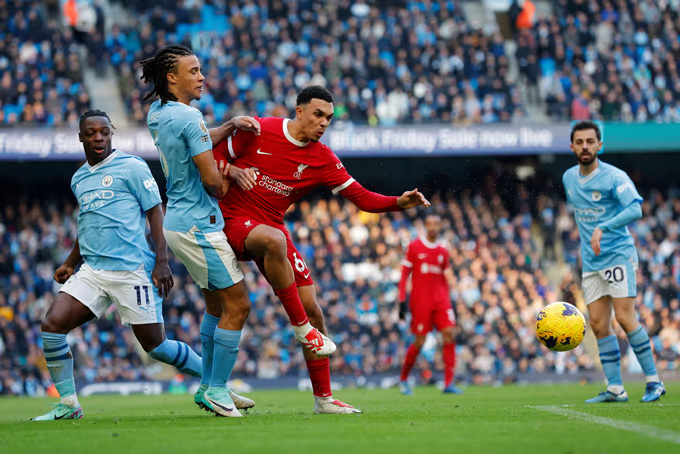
(238, 229)
(423, 318)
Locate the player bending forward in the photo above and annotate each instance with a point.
(430, 302)
(604, 201)
(274, 170)
(193, 224)
(116, 193)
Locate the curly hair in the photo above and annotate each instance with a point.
(156, 69)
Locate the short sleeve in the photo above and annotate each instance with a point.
(624, 190)
(236, 145)
(334, 175)
(195, 133)
(143, 185)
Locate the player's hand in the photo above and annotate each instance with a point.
(245, 178)
(595, 240)
(223, 169)
(246, 123)
(403, 310)
(411, 199)
(63, 273)
(162, 278)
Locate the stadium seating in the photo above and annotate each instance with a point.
(355, 260)
(41, 81)
(605, 59)
(257, 55)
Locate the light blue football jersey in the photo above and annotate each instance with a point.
(180, 133)
(113, 197)
(595, 199)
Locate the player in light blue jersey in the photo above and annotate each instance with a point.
(604, 201)
(116, 193)
(194, 222)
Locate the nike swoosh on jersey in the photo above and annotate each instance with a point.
(262, 152)
(306, 275)
(422, 256)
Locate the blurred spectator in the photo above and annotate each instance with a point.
(41, 81)
(411, 62)
(355, 260)
(614, 60)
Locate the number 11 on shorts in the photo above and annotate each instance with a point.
(138, 289)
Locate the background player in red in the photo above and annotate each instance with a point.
(273, 171)
(430, 302)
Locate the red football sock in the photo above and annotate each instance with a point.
(291, 303)
(320, 374)
(409, 361)
(449, 353)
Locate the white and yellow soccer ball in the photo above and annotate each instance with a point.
(560, 326)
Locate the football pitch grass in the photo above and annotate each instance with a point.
(523, 419)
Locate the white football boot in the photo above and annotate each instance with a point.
(331, 406)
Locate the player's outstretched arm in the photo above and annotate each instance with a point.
(244, 123)
(161, 274)
(412, 199)
(66, 270)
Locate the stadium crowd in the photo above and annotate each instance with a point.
(615, 60)
(257, 55)
(355, 259)
(41, 80)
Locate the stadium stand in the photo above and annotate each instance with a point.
(355, 258)
(257, 55)
(41, 81)
(615, 60)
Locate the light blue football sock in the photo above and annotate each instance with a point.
(178, 354)
(610, 356)
(59, 362)
(639, 341)
(208, 326)
(226, 351)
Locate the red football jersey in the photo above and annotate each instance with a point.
(427, 261)
(287, 169)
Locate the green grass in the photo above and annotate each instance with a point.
(483, 420)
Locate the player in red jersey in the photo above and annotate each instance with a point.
(430, 302)
(272, 171)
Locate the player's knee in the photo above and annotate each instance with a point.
(239, 305)
(275, 243)
(418, 342)
(52, 325)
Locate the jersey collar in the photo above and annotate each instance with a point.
(584, 180)
(429, 244)
(99, 165)
(290, 138)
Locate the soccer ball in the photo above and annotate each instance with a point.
(560, 326)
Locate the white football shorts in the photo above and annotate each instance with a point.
(618, 281)
(133, 293)
(208, 257)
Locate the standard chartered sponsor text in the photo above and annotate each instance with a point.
(275, 186)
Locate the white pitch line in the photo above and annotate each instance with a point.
(642, 429)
